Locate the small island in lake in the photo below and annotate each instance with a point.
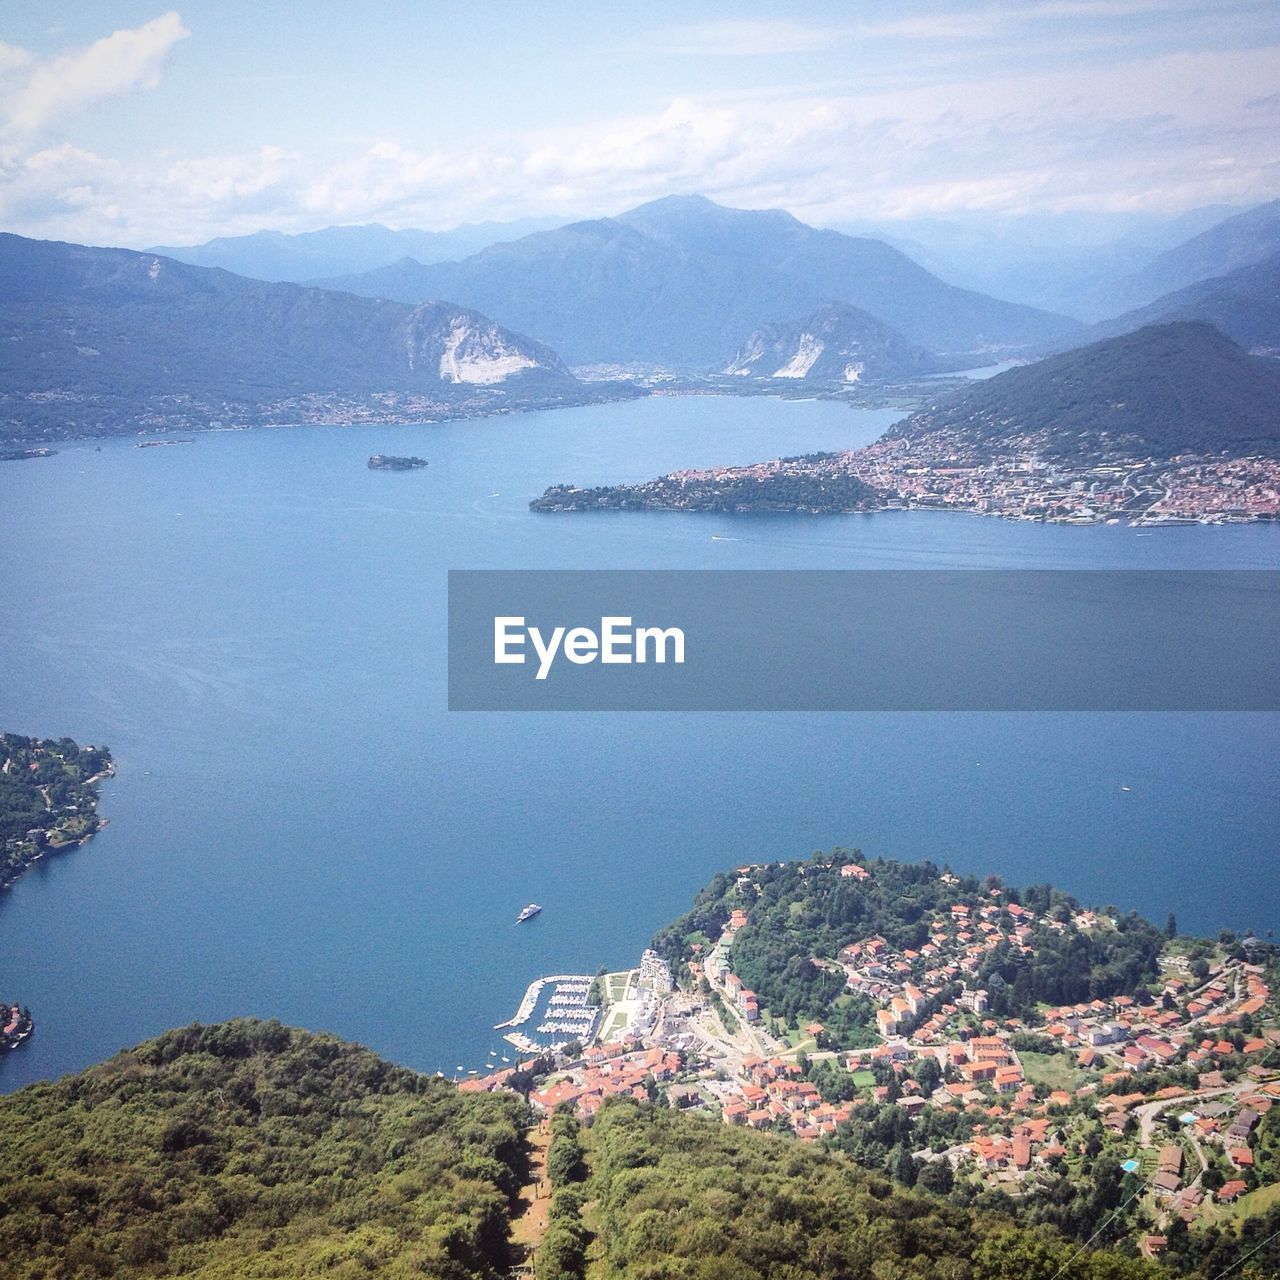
(388, 462)
(20, 455)
(48, 798)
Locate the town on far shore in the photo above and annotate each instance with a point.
(1174, 1081)
(938, 471)
(941, 471)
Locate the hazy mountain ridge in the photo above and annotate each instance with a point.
(602, 292)
(678, 282)
(1244, 304)
(858, 270)
(104, 340)
(1244, 238)
(306, 255)
(1063, 262)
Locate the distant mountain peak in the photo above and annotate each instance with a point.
(678, 202)
(1246, 237)
(345, 248)
(1244, 304)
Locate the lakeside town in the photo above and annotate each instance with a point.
(940, 471)
(1174, 1082)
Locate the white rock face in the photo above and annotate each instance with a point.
(479, 357)
(808, 350)
(744, 362)
(837, 344)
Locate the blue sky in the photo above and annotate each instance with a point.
(129, 123)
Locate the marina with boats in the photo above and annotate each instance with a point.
(553, 1011)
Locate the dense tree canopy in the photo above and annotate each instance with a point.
(684, 1196)
(251, 1150)
(801, 914)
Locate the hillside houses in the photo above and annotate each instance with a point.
(621, 1068)
(773, 1092)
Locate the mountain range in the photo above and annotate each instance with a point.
(103, 340)
(681, 281)
(1067, 261)
(1222, 249)
(106, 340)
(306, 255)
(1244, 304)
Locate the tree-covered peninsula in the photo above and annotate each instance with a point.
(790, 484)
(48, 798)
(800, 916)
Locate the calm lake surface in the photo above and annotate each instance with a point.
(255, 624)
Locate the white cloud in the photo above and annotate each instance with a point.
(1163, 134)
(123, 61)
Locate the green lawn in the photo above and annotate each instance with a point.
(1258, 1201)
(615, 985)
(1056, 1070)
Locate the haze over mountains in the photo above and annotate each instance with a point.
(101, 340)
(682, 281)
(1235, 242)
(1244, 304)
(1066, 262)
(306, 255)
(107, 339)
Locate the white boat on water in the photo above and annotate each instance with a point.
(528, 913)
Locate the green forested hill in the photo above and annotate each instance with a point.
(806, 911)
(250, 1150)
(680, 1196)
(1159, 391)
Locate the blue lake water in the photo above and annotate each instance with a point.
(255, 624)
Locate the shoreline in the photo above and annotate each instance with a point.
(145, 437)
